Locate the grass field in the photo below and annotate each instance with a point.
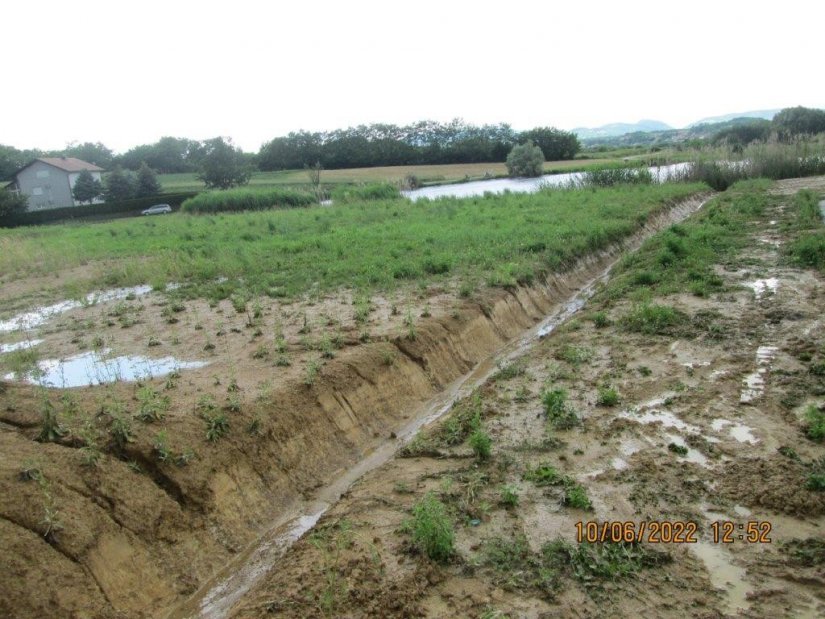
(393, 174)
(498, 240)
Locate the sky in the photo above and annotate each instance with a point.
(126, 74)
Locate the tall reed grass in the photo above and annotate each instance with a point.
(247, 199)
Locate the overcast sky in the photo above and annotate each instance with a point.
(128, 73)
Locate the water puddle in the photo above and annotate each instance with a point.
(218, 601)
(40, 315)
(693, 455)
(822, 209)
(96, 368)
(738, 431)
(755, 381)
(523, 185)
(770, 241)
(666, 418)
(724, 575)
(4, 348)
(762, 286)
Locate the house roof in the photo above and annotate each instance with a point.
(69, 164)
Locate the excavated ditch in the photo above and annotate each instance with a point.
(190, 541)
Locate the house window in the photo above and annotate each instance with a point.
(42, 174)
(37, 191)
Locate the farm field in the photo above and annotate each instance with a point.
(393, 174)
(321, 337)
(370, 246)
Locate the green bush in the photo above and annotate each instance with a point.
(653, 319)
(432, 530)
(815, 420)
(481, 444)
(525, 160)
(247, 199)
(809, 251)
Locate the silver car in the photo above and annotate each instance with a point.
(157, 209)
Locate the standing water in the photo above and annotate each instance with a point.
(523, 185)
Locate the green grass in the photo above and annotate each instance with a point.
(374, 245)
(682, 259)
(558, 411)
(432, 530)
(246, 199)
(815, 422)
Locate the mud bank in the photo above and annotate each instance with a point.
(138, 533)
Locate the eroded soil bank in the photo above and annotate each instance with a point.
(137, 493)
(650, 406)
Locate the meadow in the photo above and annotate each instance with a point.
(499, 240)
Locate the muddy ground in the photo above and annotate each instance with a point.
(737, 453)
(132, 508)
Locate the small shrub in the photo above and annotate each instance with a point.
(815, 420)
(432, 530)
(217, 425)
(600, 320)
(608, 396)
(508, 496)
(576, 496)
(557, 410)
(678, 449)
(160, 446)
(653, 319)
(481, 444)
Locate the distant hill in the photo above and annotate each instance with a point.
(699, 131)
(766, 114)
(617, 129)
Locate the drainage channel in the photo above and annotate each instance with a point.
(218, 595)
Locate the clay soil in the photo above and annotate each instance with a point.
(129, 514)
(745, 462)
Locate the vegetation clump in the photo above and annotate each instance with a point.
(246, 199)
(432, 530)
(525, 160)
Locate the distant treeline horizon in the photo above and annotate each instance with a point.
(379, 144)
(425, 142)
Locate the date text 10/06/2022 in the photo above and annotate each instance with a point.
(672, 531)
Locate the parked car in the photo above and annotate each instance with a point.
(157, 209)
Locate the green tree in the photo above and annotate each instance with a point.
(118, 186)
(12, 203)
(86, 187)
(147, 182)
(525, 160)
(223, 165)
(799, 120)
(96, 153)
(554, 143)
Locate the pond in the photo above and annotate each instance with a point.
(521, 185)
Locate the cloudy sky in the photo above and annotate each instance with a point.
(128, 73)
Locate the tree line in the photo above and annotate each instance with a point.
(424, 142)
